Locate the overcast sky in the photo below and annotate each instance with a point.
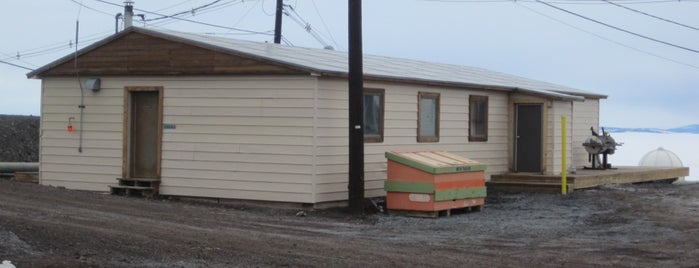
(649, 84)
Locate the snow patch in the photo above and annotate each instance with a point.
(637, 144)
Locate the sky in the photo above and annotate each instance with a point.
(649, 83)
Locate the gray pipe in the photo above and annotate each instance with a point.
(10, 167)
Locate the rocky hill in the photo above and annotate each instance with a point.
(19, 138)
(694, 129)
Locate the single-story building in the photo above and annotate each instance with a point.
(222, 118)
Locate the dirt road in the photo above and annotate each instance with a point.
(649, 225)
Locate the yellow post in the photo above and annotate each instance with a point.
(564, 158)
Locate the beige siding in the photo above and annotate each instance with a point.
(241, 137)
(400, 129)
(278, 138)
(100, 162)
(553, 153)
(585, 115)
(580, 116)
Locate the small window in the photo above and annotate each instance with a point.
(478, 118)
(428, 117)
(373, 114)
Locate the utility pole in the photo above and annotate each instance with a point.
(356, 109)
(278, 22)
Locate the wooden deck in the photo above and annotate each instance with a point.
(583, 178)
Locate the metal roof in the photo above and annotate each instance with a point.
(329, 62)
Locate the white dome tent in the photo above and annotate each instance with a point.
(661, 158)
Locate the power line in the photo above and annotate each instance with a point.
(246, 14)
(191, 21)
(607, 39)
(90, 8)
(306, 26)
(287, 42)
(192, 11)
(652, 16)
(52, 48)
(62, 46)
(617, 28)
(265, 11)
(564, 2)
(174, 5)
(202, 11)
(15, 65)
(598, 2)
(206, 24)
(332, 38)
(18, 59)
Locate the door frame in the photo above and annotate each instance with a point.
(126, 147)
(530, 100)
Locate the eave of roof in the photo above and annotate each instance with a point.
(334, 64)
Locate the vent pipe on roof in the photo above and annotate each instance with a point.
(116, 22)
(128, 13)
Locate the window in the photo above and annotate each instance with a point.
(478, 118)
(428, 117)
(373, 114)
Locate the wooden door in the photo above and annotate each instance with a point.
(144, 134)
(528, 137)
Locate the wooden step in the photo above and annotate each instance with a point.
(527, 186)
(139, 179)
(29, 177)
(131, 187)
(133, 191)
(147, 187)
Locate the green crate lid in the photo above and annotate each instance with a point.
(435, 162)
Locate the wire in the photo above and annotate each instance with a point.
(607, 39)
(287, 42)
(63, 46)
(90, 8)
(332, 38)
(202, 11)
(306, 26)
(192, 11)
(16, 65)
(652, 16)
(617, 28)
(246, 14)
(169, 7)
(52, 48)
(265, 11)
(109, 3)
(80, 8)
(191, 21)
(564, 2)
(18, 59)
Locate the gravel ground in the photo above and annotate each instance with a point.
(19, 138)
(648, 225)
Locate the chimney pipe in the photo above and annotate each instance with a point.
(128, 13)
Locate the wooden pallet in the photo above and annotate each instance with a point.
(28, 177)
(146, 187)
(434, 214)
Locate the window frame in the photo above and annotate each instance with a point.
(472, 100)
(382, 96)
(428, 95)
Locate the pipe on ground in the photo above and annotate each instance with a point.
(11, 167)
